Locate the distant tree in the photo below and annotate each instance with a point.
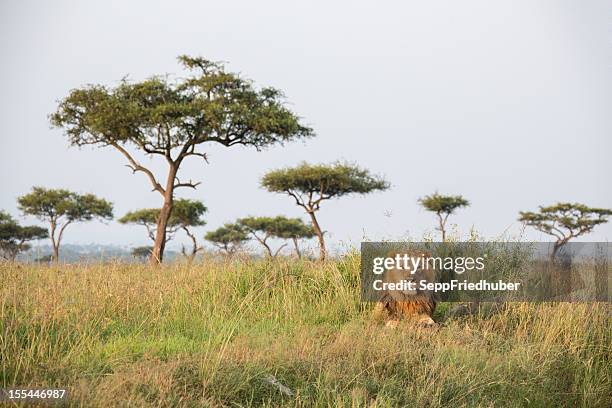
(293, 229)
(264, 228)
(310, 184)
(565, 221)
(188, 214)
(185, 215)
(261, 228)
(61, 208)
(171, 119)
(228, 238)
(44, 259)
(15, 238)
(147, 217)
(142, 252)
(443, 206)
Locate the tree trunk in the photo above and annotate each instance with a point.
(442, 229)
(55, 257)
(54, 244)
(157, 255)
(561, 273)
(556, 248)
(317, 229)
(59, 240)
(297, 248)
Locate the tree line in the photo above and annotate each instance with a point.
(173, 120)
(60, 208)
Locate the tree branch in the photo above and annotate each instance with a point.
(135, 166)
(61, 232)
(561, 235)
(189, 184)
(149, 150)
(317, 203)
(150, 231)
(189, 150)
(299, 200)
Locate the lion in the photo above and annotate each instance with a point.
(414, 305)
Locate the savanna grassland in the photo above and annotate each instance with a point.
(209, 334)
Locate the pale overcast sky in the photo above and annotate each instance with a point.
(506, 102)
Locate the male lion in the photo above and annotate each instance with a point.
(415, 305)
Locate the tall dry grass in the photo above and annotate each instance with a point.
(208, 334)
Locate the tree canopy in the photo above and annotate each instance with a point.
(159, 115)
(15, 238)
(57, 203)
(310, 184)
(565, 221)
(322, 181)
(61, 208)
(290, 228)
(188, 213)
(443, 206)
(229, 238)
(172, 118)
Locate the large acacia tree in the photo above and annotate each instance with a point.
(61, 208)
(172, 119)
(565, 221)
(309, 185)
(443, 206)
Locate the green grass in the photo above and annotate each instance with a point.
(208, 334)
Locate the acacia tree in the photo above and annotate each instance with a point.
(185, 215)
(295, 229)
(15, 238)
(309, 185)
(229, 238)
(61, 208)
(264, 228)
(142, 252)
(188, 214)
(565, 221)
(171, 119)
(443, 206)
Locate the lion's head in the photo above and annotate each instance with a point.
(407, 300)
